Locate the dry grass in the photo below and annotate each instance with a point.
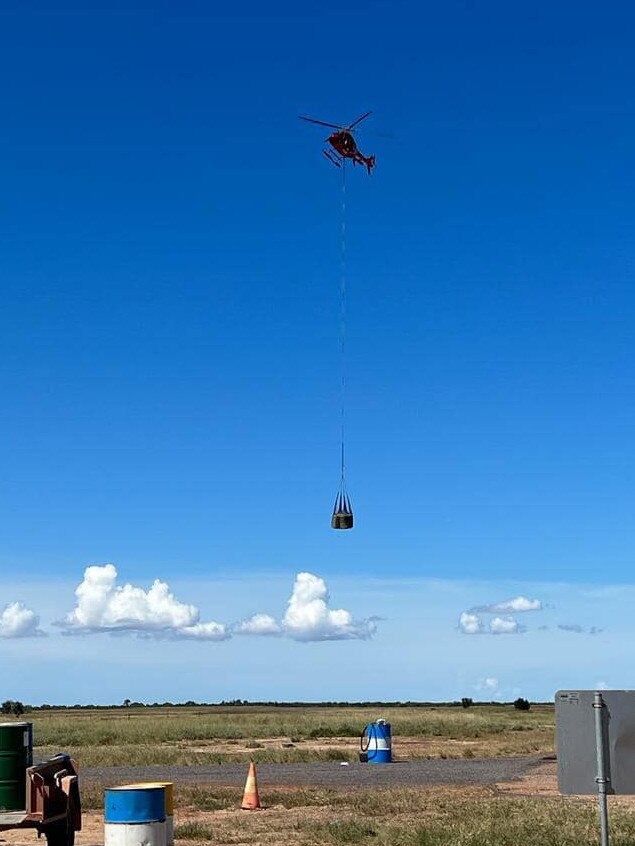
(182, 736)
(425, 816)
(414, 817)
(439, 816)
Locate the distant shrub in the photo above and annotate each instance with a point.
(12, 706)
(467, 701)
(521, 704)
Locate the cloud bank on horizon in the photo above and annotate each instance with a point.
(518, 604)
(308, 616)
(471, 623)
(268, 621)
(104, 606)
(498, 619)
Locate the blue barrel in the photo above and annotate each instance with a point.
(379, 742)
(135, 815)
(135, 804)
(168, 790)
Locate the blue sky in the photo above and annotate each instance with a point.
(169, 266)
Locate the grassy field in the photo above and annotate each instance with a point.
(219, 734)
(433, 816)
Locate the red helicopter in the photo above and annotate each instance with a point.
(343, 143)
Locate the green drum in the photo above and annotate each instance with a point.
(16, 754)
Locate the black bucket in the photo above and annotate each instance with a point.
(342, 511)
(342, 520)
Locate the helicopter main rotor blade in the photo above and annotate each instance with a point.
(359, 120)
(320, 122)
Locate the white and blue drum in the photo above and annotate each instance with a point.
(168, 791)
(135, 816)
(378, 742)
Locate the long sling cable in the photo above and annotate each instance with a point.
(343, 330)
(342, 512)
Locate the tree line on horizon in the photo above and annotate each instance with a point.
(17, 708)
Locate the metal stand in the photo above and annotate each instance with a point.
(602, 779)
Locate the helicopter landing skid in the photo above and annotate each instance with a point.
(333, 158)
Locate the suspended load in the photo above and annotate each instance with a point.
(342, 512)
(343, 149)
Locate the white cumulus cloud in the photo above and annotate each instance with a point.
(515, 605)
(470, 623)
(510, 606)
(103, 605)
(203, 631)
(308, 616)
(17, 620)
(498, 619)
(503, 625)
(259, 624)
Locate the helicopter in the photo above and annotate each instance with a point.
(343, 143)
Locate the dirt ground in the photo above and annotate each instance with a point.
(280, 824)
(541, 781)
(407, 748)
(237, 827)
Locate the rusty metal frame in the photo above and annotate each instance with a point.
(50, 788)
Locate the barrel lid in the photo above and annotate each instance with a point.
(152, 785)
(144, 784)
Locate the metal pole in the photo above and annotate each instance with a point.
(602, 778)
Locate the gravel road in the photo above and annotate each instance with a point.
(331, 773)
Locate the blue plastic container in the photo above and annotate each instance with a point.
(135, 804)
(379, 740)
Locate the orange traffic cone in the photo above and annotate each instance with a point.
(251, 800)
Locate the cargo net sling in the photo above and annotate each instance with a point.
(342, 517)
